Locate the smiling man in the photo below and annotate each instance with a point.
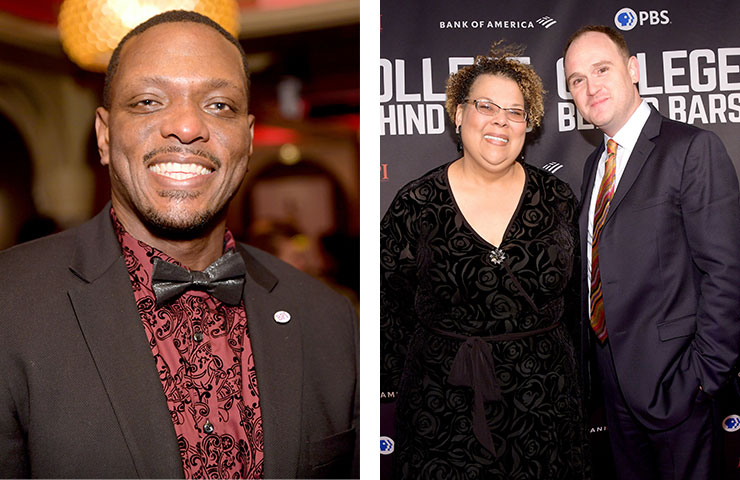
(660, 229)
(147, 342)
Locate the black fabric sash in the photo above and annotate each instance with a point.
(473, 367)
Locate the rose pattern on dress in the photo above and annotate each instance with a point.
(436, 273)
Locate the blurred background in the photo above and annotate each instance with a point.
(300, 199)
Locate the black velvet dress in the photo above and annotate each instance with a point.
(504, 316)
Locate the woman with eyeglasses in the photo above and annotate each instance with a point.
(480, 297)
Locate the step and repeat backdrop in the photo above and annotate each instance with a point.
(689, 57)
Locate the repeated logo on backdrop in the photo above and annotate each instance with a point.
(627, 19)
(546, 21)
(387, 445)
(497, 23)
(731, 423)
(552, 167)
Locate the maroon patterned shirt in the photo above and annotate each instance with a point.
(204, 358)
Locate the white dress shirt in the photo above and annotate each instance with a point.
(626, 139)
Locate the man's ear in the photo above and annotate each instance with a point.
(101, 130)
(633, 67)
(251, 134)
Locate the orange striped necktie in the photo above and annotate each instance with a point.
(606, 192)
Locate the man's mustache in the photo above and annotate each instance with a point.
(187, 150)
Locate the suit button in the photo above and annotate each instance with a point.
(208, 428)
(198, 336)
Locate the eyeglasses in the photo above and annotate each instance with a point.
(489, 109)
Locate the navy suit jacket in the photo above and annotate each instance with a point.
(669, 256)
(80, 396)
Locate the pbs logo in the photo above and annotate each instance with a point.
(386, 445)
(731, 423)
(627, 19)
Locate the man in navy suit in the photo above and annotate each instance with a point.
(147, 343)
(660, 239)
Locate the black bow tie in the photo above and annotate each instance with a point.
(224, 279)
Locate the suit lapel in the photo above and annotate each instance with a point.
(587, 187)
(110, 323)
(639, 156)
(278, 362)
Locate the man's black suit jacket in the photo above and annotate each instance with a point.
(669, 256)
(79, 392)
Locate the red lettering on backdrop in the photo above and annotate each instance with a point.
(383, 172)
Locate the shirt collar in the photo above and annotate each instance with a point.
(627, 136)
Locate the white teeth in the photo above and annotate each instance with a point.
(498, 139)
(179, 171)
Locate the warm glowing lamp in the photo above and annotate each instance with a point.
(91, 29)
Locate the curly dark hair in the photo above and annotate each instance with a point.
(500, 61)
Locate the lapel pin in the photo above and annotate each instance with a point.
(281, 316)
